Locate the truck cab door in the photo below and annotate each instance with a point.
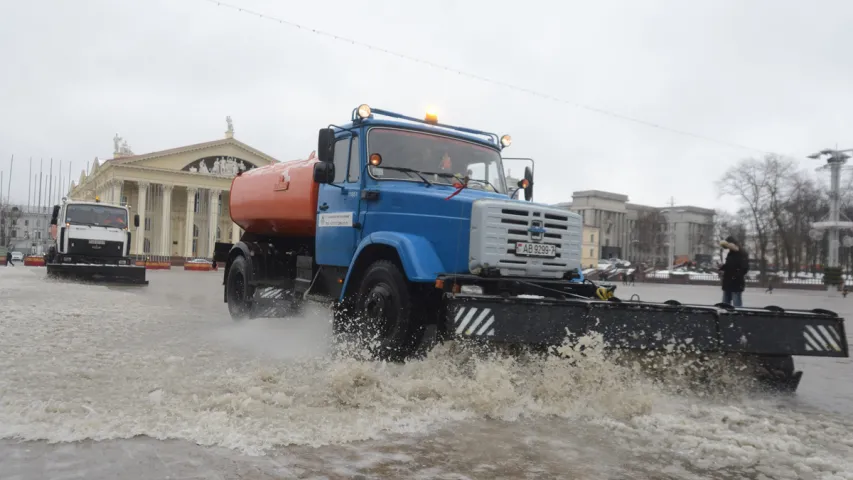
(337, 207)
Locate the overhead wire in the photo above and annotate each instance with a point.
(485, 79)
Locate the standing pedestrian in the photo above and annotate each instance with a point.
(734, 272)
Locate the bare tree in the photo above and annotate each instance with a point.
(781, 183)
(726, 224)
(648, 229)
(751, 183)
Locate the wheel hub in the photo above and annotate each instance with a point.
(375, 306)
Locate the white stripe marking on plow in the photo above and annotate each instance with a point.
(477, 322)
(465, 320)
(811, 343)
(824, 330)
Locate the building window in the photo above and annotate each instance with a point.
(124, 200)
(147, 224)
(218, 234)
(13, 233)
(146, 246)
(591, 252)
(592, 238)
(26, 223)
(197, 201)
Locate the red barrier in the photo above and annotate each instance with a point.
(154, 265)
(33, 261)
(200, 267)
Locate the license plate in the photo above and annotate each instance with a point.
(535, 249)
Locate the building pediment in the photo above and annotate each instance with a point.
(220, 157)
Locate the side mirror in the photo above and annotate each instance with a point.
(528, 191)
(324, 172)
(54, 218)
(136, 220)
(326, 145)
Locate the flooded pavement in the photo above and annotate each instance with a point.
(158, 382)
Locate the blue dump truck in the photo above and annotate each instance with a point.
(408, 228)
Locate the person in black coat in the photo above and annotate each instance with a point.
(734, 272)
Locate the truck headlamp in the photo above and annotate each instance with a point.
(506, 141)
(472, 289)
(363, 111)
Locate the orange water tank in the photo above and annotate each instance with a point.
(277, 200)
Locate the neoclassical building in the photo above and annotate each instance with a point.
(180, 194)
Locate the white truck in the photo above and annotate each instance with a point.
(92, 242)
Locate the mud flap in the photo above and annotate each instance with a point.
(273, 302)
(647, 326)
(109, 274)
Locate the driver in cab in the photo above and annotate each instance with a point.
(445, 165)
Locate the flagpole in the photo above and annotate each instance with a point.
(41, 180)
(9, 182)
(50, 184)
(29, 184)
(59, 182)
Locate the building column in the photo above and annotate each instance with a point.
(212, 220)
(115, 192)
(141, 202)
(235, 233)
(166, 222)
(188, 238)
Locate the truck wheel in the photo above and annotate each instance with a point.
(778, 373)
(387, 320)
(237, 289)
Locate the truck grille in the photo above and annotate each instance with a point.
(94, 248)
(497, 226)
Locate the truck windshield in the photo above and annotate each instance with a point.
(98, 215)
(435, 156)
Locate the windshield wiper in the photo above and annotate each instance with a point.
(410, 171)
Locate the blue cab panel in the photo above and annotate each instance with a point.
(429, 230)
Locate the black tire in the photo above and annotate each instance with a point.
(238, 292)
(777, 372)
(388, 317)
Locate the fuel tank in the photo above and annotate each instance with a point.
(277, 200)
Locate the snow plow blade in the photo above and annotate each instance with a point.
(769, 331)
(111, 274)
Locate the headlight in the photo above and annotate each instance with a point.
(472, 289)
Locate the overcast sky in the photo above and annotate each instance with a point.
(772, 75)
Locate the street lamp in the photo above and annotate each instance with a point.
(833, 224)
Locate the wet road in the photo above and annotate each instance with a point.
(158, 382)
